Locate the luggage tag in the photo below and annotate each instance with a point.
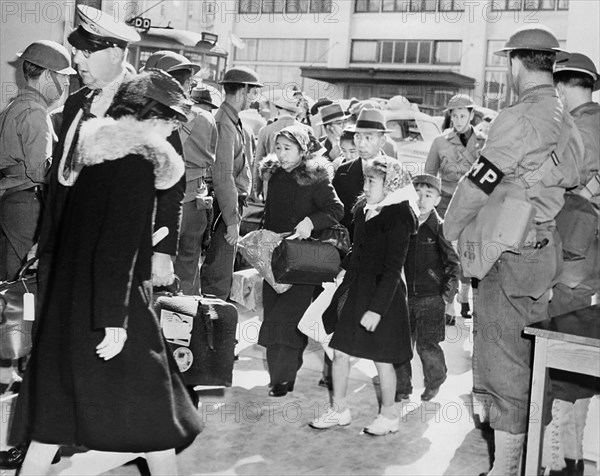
(28, 305)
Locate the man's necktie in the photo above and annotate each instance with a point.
(463, 139)
(86, 106)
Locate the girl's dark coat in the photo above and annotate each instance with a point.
(374, 281)
(102, 278)
(303, 192)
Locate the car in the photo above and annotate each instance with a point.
(413, 133)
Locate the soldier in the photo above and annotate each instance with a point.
(522, 145)
(452, 154)
(199, 147)
(26, 139)
(575, 78)
(231, 179)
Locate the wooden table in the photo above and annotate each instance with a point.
(568, 342)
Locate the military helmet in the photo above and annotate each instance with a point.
(151, 88)
(241, 75)
(538, 38)
(49, 55)
(459, 101)
(170, 61)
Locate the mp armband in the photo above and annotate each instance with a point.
(485, 175)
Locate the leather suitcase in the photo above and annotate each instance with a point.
(305, 262)
(200, 331)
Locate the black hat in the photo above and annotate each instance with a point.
(201, 95)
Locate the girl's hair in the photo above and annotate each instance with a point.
(376, 168)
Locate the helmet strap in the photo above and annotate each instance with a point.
(57, 83)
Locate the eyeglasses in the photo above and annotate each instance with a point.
(86, 53)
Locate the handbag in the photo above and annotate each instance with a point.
(337, 235)
(15, 331)
(305, 262)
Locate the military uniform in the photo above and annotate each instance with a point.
(516, 290)
(230, 180)
(26, 138)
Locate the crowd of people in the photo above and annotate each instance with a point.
(88, 182)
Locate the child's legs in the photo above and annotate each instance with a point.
(430, 331)
(403, 377)
(340, 371)
(387, 384)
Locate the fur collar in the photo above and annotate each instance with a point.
(104, 139)
(307, 173)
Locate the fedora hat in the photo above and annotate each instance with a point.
(371, 120)
(331, 113)
(201, 95)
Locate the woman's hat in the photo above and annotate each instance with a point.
(370, 120)
(331, 113)
(151, 88)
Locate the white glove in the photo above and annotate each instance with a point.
(303, 229)
(162, 269)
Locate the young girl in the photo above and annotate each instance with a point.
(100, 373)
(371, 301)
(301, 199)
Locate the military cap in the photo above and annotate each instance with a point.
(428, 179)
(170, 61)
(98, 30)
(579, 63)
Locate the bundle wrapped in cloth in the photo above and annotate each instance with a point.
(257, 249)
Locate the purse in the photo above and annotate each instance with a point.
(337, 235)
(305, 262)
(15, 331)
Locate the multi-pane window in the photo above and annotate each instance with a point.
(530, 4)
(283, 50)
(284, 6)
(376, 6)
(406, 52)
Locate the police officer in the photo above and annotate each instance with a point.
(535, 145)
(26, 139)
(231, 179)
(451, 155)
(575, 78)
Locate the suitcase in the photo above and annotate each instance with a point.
(305, 262)
(200, 331)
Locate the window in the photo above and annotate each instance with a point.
(424, 52)
(539, 4)
(563, 4)
(452, 5)
(296, 6)
(320, 6)
(387, 51)
(448, 52)
(548, 5)
(493, 59)
(249, 6)
(399, 51)
(412, 51)
(362, 6)
(283, 50)
(496, 91)
(273, 6)
(422, 5)
(364, 51)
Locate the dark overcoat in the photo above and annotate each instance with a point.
(304, 192)
(374, 281)
(348, 183)
(101, 278)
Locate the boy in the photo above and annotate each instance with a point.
(431, 271)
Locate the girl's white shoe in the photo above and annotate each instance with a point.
(382, 426)
(331, 418)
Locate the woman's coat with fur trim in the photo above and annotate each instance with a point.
(304, 192)
(101, 278)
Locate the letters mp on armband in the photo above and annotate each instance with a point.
(485, 175)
